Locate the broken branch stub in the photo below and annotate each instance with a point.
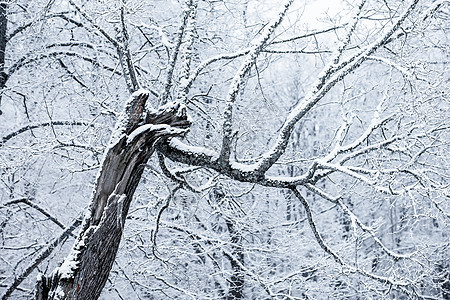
(85, 271)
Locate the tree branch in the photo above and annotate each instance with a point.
(39, 125)
(41, 257)
(187, 52)
(174, 56)
(326, 81)
(89, 19)
(38, 208)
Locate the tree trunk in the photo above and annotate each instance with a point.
(3, 41)
(85, 271)
(3, 38)
(236, 291)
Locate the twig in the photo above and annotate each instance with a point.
(38, 125)
(40, 258)
(38, 208)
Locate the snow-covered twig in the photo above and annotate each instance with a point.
(211, 60)
(93, 24)
(39, 209)
(158, 219)
(405, 72)
(40, 258)
(302, 36)
(345, 170)
(366, 229)
(39, 125)
(187, 51)
(237, 81)
(338, 259)
(328, 79)
(174, 56)
(125, 55)
(352, 26)
(31, 58)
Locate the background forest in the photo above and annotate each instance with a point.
(316, 165)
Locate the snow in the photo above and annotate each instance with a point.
(60, 293)
(137, 93)
(69, 265)
(242, 167)
(123, 118)
(138, 131)
(81, 243)
(120, 202)
(286, 179)
(71, 262)
(176, 143)
(147, 127)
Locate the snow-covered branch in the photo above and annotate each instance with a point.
(39, 209)
(328, 79)
(39, 125)
(238, 78)
(393, 282)
(187, 51)
(174, 54)
(95, 25)
(124, 54)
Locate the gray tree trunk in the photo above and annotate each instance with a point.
(3, 41)
(85, 271)
(237, 279)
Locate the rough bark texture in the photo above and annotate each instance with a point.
(3, 41)
(3, 38)
(85, 271)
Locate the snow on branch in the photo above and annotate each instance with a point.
(40, 258)
(351, 30)
(39, 125)
(310, 34)
(163, 129)
(174, 55)
(187, 51)
(404, 71)
(356, 221)
(125, 55)
(39, 209)
(376, 122)
(200, 153)
(211, 60)
(392, 282)
(178, 151)
(93, 24)
(30, 58)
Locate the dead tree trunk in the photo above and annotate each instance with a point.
(85, 271)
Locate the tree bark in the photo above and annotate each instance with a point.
(3, 41)
(3, 38)
(85, 271)
(236, 291)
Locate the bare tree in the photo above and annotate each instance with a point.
(314, 154)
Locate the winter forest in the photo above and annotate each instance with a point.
(224, 149)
